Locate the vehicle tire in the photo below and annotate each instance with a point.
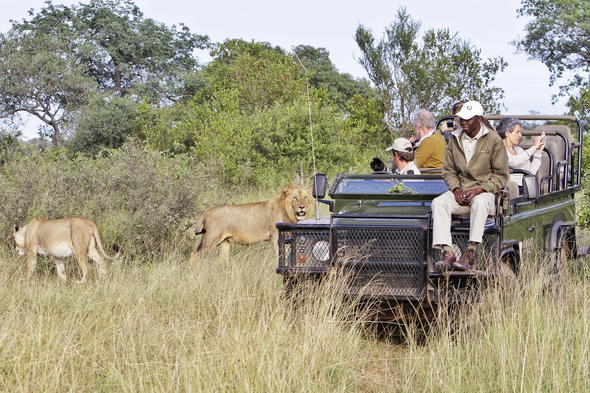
(506, 278)
(560, 258)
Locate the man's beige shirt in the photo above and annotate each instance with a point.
(468, 143)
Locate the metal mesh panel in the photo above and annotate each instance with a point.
(304, 250)
(385, 262)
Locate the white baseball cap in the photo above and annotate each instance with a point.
(401, 144)
(470, 109)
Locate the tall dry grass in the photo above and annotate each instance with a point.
(158, 324)
(528, 336)
(225, 327)
(168, 326)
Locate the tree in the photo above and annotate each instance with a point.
(52, 63)
(105, 122)
(37, 76)
(257, 74)
(323, 74)
(559, 36)
(123, 51)
(430, 73)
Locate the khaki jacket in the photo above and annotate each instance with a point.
(487, 169)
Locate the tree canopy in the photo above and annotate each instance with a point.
(429, 72)
(123, 51)
(559, 36)
(54, 61)
(38, 76)
(323, 74)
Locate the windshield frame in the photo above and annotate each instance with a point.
(334, 194)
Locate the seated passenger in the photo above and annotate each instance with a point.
(509, 130)
(403, 157)
(429, 144)
(476, 168)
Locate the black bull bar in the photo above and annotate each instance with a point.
(386, 261)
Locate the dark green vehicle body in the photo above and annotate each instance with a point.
(380, 227)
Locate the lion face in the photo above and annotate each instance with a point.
(18, 235)
(298, 201)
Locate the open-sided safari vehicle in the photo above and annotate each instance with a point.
(380, 228)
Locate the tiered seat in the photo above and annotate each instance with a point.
(556, 155)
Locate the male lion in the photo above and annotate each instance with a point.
(59, 239)
(251, 222)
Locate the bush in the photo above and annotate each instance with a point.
(137, 197)
(104, 123)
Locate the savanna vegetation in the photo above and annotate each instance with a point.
(140, 136)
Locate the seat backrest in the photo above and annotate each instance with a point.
(563, 130)
(561, 146)
(545, 168)
(512, 188)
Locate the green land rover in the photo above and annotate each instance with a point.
(380, 227)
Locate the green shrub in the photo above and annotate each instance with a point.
(105, 122)
(138, 198)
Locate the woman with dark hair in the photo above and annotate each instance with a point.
(510, 130)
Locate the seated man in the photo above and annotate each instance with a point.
(476, 167)
(429, 144)
(402, 155)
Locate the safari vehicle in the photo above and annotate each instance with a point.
(380, 227)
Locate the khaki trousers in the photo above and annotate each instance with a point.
(445, 204)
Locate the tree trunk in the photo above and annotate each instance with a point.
(56, 137)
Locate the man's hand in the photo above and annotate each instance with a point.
(469, 195)
(459, 196)
(377, 165)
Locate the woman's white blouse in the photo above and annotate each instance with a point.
(529, 160)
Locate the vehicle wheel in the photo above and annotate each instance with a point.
(560, 258)
(507, 279)
(506, 270)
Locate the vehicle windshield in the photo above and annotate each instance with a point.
(391, 186)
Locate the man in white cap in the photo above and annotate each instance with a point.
(402, 154)
(475, 169)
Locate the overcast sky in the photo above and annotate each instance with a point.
(330, 24)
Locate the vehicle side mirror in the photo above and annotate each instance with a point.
(530, 188)
(320, 183)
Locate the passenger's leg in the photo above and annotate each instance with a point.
(481, 207)
(442, 208)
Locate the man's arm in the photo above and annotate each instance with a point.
(500, 171)
(449, 172)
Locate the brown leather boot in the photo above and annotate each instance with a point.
(446, 261)
(467, 260)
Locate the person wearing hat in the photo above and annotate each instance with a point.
(475, 169)
(402, 154)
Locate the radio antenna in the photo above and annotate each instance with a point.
(317, 203)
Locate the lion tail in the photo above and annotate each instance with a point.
(199, 229)
(101, 249)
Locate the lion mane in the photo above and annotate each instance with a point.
(251, 222)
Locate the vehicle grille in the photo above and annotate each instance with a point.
(383, 262)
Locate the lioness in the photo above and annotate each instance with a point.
(59, 239)
(251, 222)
